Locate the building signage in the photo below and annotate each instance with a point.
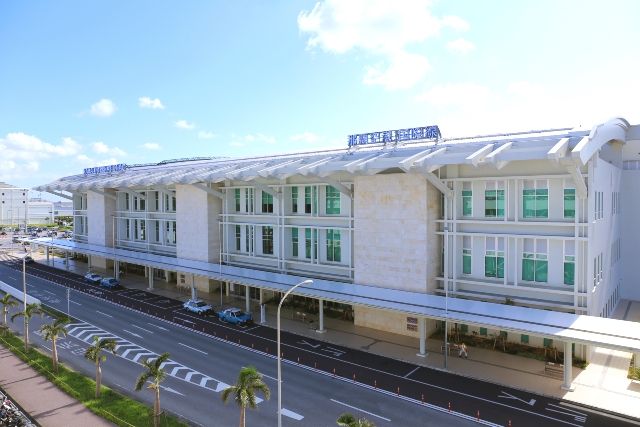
(105, 169)
(411, 134)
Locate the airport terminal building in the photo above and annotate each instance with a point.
(523, 224)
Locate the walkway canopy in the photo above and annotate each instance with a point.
(609, 333)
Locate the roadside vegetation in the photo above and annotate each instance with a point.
(111, 405)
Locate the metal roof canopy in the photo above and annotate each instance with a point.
(609, 333)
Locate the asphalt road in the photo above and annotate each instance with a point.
(205, 348)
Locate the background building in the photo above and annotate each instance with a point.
(17, 209)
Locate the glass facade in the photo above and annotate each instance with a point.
(466, 261)
(569, 203)
(535, 203)
(267, 202)
(333, 245)
(569, 270)
(294, 242)
(294, 199)
(267, 240)
(534, 267)
(467, 202)
(307, 199)
(332, 199)
(494, 203)
(494, 264)
(238, 235)
(236, 196)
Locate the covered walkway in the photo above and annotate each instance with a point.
(612, 334)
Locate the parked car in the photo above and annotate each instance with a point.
(92, 278)
(198, 306)
(235, 316)
(110, 283)
(3, 233)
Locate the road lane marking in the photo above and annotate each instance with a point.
(138, 327)
(185, 320)
(361, 410)
(73, 302)
(291, 414)
(412, 371)
(157, 326)
(49, 292)
(270, 377)
(133, 333)
(511, 396)
(144, 353)
(104, 314)
(575, 417)
(195, 349)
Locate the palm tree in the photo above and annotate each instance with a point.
(51, 332)
(348, 420)
(94, 354)
(7, 302)
(244, 392)
(155, 375)
(31, 310)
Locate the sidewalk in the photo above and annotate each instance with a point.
(603, 384)
(47, 404)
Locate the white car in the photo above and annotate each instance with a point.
(197, 306)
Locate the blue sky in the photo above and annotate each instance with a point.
(92, 83)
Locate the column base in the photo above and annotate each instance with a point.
(150, 289)
(570, 388)
(422, 354)
(321, 331)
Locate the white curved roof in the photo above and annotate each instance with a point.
(425, 156)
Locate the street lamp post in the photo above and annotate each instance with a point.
(306, 282)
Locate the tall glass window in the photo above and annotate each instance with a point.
(307, 199)
(248, 238)
(569, 202)
(535, 199)
(238, 237)
(311, 243)
(294, 242)
(236, 196)
(494, 257)
(494, 201)
(333, 245)
(294, 199)
(248, 194)
(127, 206)
(267, 240)
(332, 201)
(267, 202)
(467, 199)
(534, 260)
(569, 263)
(466, 255)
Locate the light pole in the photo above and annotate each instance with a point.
(306, 282)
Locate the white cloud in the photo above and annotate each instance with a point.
(461, 46)
(206, 135)
(381, 28)
(102, 148)
(462, 95)
(183, 124)
(251, 139)
(306, 137)
(103, 108)
(151, 146)
(153, 103)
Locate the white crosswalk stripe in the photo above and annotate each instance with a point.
(135, 353)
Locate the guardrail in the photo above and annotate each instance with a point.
(17, 293)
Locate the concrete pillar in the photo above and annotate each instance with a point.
(247, 299)
(422, 331)
(226, 288)
(263, 314)
(116, 269)
(66, 254)
(194, 293)
(261, 296)
(46, 249)
(321, 328)
(568, 375)
(89, 262)
(150, 288)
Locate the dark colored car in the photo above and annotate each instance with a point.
(110, 283)
(93, 278)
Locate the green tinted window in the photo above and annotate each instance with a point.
(332, 201)
(466, 261)
(494, 203)
(467, 202)
(569, 203)
(294, 242)
(333, 245)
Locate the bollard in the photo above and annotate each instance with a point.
(422, 397)
(298, 359)
(226, 337)
(449, 406)
(334, 372)
(375, 383)
(267, 350)
(354, 376)
(398, 391)
(315, 365)
(251, 345)
(509, 425)
(478, 416)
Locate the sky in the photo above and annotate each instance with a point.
(94, 83)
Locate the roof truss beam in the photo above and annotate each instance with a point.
(102, 193)
(266, 189)
(559, 150)
(479, 155)
(340, 187)
(57, 193)
(578, 180)
(437, 182)
(209, 190)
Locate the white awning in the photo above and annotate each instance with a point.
(609, 333)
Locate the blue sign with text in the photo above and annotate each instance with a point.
(105, 169)
(384, 137)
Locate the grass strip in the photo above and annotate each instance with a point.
(113, 406)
